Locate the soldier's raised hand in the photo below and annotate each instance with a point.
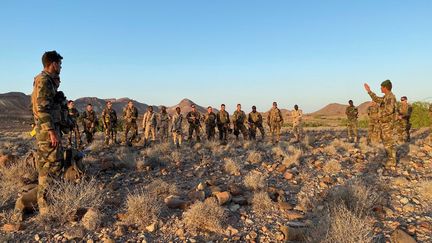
(367, 88)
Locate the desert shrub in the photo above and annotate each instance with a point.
(205, 216)
(126, 157)
(255, 180)
(420, 115)
(143, 208)
(332, 167)
(261, 203)
(293, 157)
(254, 157)
(161, 189)
(66, 198)
(232, 167)
(424, 191)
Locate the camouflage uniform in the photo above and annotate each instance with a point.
(177, 129)
(89, 120)
(210, 124)
(193, 119)
(255, 121)
(275, 121)
(109, 119)
(239, 119)
(352, 125)
(130, 116)
(403, 123)
(297, 116)
(374, 132)
(47, 118)
(223, 123)
(149, 125)
(387, 112)
(73, 114)
(164, 120)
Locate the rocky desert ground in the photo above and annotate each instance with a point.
(323, 189)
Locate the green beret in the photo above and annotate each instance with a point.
(387, 83)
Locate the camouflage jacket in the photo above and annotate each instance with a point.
(275, 116)
(297, 116)
(210, 119)
(164, 119)
(255, 118)
(387, 106)
(43, 101)
(373, 112)
(89, 118)
(149, 119)
(109, 116)
(239, 117)
(73, 115)
(177, 121)
(130, 114)
(222, 118)
(193, 118)
(405, 111)
(351, 113)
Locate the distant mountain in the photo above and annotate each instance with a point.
(185, 106)
(118, 104)
(336, 109)
(15, 104)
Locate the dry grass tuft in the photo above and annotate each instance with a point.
(330, 150)
(332, 167)
(205, 216)
(254, 157)
(232, 167)
(161, 189)
(424, 191)
(126, 157)
(261, 203)
(142, 208)
(255, 180)
(293, 158)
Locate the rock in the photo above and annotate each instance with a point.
(140, 165)
(91, 219)
(175, 202)
(201, 186)
(404, 200)
(231, 231)
(27, 202)
(234, 207)
(120, 231)
(281, 168)
(76, 232)
(293, 215)
(223, 197)
(240, 200)
(253, 235)
(288, 175)
(408, 208)
(293, 234)
(152, 227)
(400, 236)
(8, 228)
(37, 237)
(108, 240)
(235, 190)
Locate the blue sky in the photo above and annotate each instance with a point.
(309, 53)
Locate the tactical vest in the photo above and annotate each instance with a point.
(275, 115)
(223, 117)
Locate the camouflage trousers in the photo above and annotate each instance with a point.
(223, 131)
(49, 164)
(74, 133)
(177, 137)
(253, 131)
(192, 129)
(240, 127)
(130, 127)
(210, 131)
(403, 130)
(352, 128)
(275, 131)
(298, 131)
(374, 132)
(163, 132)
(89, 132)
(110, 134)
(387, 135)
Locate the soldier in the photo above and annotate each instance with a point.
(49, 151)
(239, 119)
(374, 132)
(130, 116)
(387, 112)
(223, 123)
(73, 114)
(352, 125)
(255, 121)
(109, 120)
(193, 118)
(404, 115)
(149, 125)
(210, 123)
(297, 116)
(177, 128)
(163, 125)
(89, 120)
(275, 121)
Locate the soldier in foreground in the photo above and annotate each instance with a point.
(275, 121)
(163, 125)
(89, 120)
(255, 121)
(223, 123)
(352, 124)
(49, 148)
(194, 119)
(176, 127)
(374, 132)
(239, 119)
(149, 125)
(403, 123)
(130, 117)
(109, 119)
(73, 114)
(387, 111)
(297, 115)
(210, 123)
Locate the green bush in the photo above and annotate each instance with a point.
(420, 115)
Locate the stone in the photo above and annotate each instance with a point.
(293, 234)
(400, 236)
(120, 230)
(196, 195)
(293, 215)
(223, 197)
(235, 190)
(174, 202)
(288, 175)
(8, 228)
(231, 230)
(152, 227)
(240, 200)
(404, 200)
(91, 219)
(201, 186)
